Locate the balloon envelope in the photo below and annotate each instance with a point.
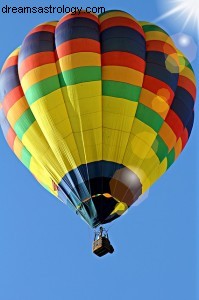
(97, 108)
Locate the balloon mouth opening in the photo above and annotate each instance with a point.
(99, 208)
(106, 195)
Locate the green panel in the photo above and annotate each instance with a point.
(149, 117)
(42, 88)
(26, 157)
(53, 83)
(184, 62)
(112, 10)
(160, 148)
(81, 74)
(121, 90)
(24, 122)
(152, 27)
(170, 158)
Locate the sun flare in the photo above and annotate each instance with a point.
(186, 10)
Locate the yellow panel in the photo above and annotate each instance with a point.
(18, 147)
(34, 140)
(140, 156)
(36, 144)
(38, 74)
(90, 137)
(49, 113)
(143, 132)
(84, 106)
(72, 154)
(114, 144)
(115, 105)
(157, 102)
(122, 74)
(159, 36)
(87, 122)
(83, 90)
(162, 167)
(157, 172)
(117, 122)
(145, 186)
(115, 14)
(17, 110)
(89, 144)
(38, 170)
(153, 176)
(136, 151)
(184, 71)
(48, 101)
(79, 59)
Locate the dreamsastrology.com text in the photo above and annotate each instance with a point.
(74, 10)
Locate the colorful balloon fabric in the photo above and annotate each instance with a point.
(97, 108)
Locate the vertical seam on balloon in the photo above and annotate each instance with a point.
(24, 147)
(135, 116)
(17, 74)
(117, 151)
(102, 158)
(77, 169)
(51, 149)
(184, 128)
(154, 170)
(64, 101)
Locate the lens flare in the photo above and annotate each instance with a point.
(186, 10)
(186, 44)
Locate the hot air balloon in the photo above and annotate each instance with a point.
(97, 108)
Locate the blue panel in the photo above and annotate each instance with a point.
(123, 32)
(9, 80)
(185, 97)
(77, 28)
(161, 73)
(35, 43)
(4, 123)
(190, 124)
(123, 45)
(181, 110)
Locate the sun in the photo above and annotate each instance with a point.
(186, 10)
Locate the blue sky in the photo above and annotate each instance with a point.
(45, 249)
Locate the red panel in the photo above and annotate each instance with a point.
(44, 27)
(175, 123)
(12, 61)
(11, 98)
(188, 85)
(78, 45)
(11, 135)
(34, 61)
(155, 85)
(121, 21)
(117, 58)
(160, 47)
